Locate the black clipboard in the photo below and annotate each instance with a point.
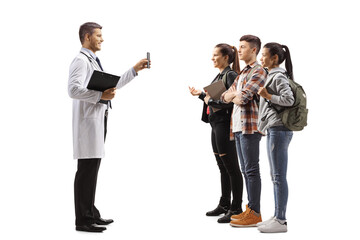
(100, 81)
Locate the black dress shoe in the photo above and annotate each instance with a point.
(100, 221)
(227, 217)
(218, 210)
(90, 228)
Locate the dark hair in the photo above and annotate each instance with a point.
(283, 54)
(231, 51)
(253, 41)
(89, 28)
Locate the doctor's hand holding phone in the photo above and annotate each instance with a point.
(109, 94)
(143, 63)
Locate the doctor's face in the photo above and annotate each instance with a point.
(95, 40)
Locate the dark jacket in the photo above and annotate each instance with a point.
(225, 108)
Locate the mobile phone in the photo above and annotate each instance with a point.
(148, 58)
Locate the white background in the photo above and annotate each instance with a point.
(159, 176)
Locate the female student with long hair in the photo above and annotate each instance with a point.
(218, 114)
(275, 95)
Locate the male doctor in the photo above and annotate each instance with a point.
(90, 110)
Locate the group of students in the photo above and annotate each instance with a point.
(245, 112)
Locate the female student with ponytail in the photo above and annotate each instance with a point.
(218, 114)
(276, 94)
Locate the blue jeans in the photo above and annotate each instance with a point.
(247, 147)
(278, 140)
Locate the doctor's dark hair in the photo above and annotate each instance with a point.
(231, 52)
(89, 28)
(283, 53)
(253, 41)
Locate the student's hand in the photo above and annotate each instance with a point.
(141, 65)
(264, 93)
(108, 94)
(207, 97)
(230, 94)
(237, 100)
(232, 89)
(194, 91)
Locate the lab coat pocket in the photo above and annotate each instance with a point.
(92, 110)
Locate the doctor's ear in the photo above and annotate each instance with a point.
(87, 37)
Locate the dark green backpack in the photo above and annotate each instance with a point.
(294, 117)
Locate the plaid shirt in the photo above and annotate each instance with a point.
(245, 115)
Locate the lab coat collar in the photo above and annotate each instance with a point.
(88, 52)
(90, 56)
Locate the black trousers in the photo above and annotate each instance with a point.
(85, 188)
(227, 161)
(84, 191)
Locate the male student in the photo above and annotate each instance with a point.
(243, 94)
(90, 113)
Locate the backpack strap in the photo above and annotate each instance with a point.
(252, 72)
(225, 76)
(272, 78)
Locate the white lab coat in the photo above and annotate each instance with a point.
(88, 114)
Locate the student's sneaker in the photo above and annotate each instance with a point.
(241, 215)
(265, 222)
(274, 226)
(249, 220)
